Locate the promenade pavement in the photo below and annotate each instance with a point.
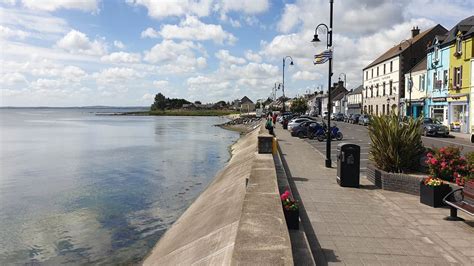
(369, 226)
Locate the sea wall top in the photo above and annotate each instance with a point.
(231, 222)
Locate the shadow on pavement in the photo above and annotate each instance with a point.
(320, 256)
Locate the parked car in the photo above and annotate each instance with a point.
(364, 120)
(434, 127)
(339, 117)
(354, 119)
(325, 115)
(296, 121)
(346, 117)
(301, 130)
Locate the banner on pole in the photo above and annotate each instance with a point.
(322, 57)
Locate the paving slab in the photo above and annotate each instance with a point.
(366, 225)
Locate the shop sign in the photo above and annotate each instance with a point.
(441, 99)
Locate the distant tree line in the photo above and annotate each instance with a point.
(162, 103)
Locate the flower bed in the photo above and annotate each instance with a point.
(447, 164)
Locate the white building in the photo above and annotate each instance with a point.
(354, 101)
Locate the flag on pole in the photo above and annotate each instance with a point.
(322, 57)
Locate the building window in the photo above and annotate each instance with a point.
(457, 77)
(383, 109)
(436, 83)
(383, 88)
(377, 109)
(436, 54)
(372, 91)
(421, 83)
(391, 66)
(391, 83)
(377, 71)
(384, 69)
(445, 78)
(377, 88)
(366, 89)
(366, 75)
(458, 45)
(372, 73)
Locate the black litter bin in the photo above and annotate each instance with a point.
(348, 165)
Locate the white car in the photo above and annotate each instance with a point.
(296, 121)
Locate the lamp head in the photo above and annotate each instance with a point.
(291, 63)
(315, 38)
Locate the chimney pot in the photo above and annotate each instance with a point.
(415, 31)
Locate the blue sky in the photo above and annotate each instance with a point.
(121, 53)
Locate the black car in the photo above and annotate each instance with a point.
(339, 117)
(433, 127)
(301, 130)
(354, 119)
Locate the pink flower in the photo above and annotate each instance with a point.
(429, 155)
(442, 150)
(433, 161)
(443, 165)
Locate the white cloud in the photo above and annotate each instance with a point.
(245, 6)
(119, 44)
(163, 8)
(73, 74)
(12, 79)
(160, 83)
(52, 5)
(226, 58)
(306, 75)
(41, 23)
(192, 28)
(6, 32)
(168, 50)
(77, 42)
(121, 57)
(148, 97)
(150, 33)
(116, 75)
(254, 57)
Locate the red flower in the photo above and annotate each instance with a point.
(433, 161)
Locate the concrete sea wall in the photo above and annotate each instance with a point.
(238, 219)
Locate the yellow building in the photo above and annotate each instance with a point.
(460, 40)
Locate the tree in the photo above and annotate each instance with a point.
(160, 102)
(257, 105)
(299, 105)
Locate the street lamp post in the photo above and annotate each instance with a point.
(276, 87)
(283, 84)
(329, 45)
(410, 82)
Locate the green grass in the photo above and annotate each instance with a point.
(186, 113)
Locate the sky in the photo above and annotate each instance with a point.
(123, 52)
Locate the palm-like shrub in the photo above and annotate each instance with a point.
(395, 146)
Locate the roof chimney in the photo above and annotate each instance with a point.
(415, 31)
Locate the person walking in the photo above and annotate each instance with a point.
(269, 124)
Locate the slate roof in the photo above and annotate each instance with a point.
(245, 100)
(420, 66)
(466, 26)
(356, 90)
(399, 48)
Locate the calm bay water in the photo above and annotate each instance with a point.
(80, 188)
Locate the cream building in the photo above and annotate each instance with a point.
(418, 89)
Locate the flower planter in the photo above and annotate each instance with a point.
(292, 219)
(433, 195)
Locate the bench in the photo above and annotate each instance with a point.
(460, 199)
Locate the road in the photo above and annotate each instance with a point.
(357, 134)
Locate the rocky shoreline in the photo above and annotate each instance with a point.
(242, 124)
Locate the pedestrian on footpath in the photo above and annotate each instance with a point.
(269, 124)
